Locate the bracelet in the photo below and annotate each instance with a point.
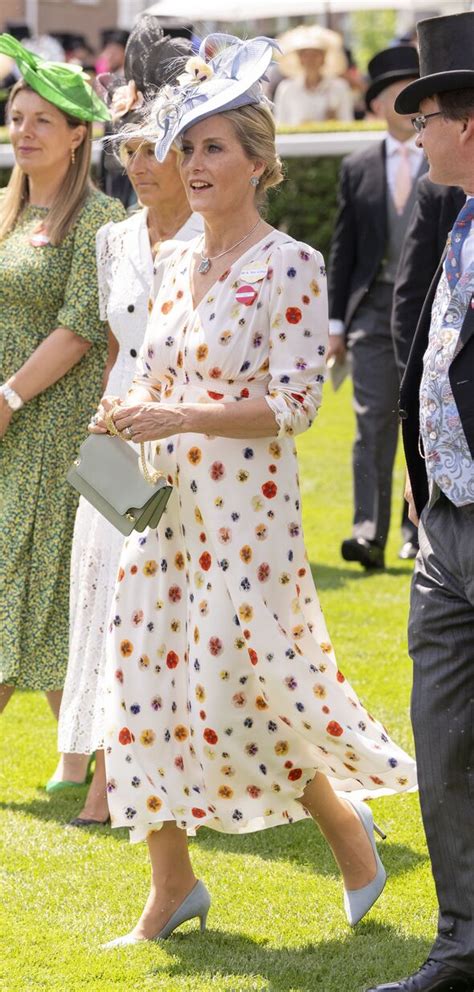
(12, 398)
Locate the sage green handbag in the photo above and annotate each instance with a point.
(119, 483)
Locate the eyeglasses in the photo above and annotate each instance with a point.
(419, 122)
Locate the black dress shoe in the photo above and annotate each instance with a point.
(368, 553)
(408, 551)
(433, 976)
(81, 821)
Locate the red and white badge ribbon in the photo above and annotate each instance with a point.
(246, 294)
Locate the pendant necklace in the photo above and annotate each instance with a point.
(206, 260)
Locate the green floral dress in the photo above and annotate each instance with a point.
(41, 288)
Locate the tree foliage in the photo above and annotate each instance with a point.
(371, 31)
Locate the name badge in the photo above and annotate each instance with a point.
(254, 273)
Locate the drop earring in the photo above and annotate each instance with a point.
(73, 156)
(254, 181)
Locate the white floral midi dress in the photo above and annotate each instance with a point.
(223, 693)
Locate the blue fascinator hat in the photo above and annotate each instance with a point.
(224, 75)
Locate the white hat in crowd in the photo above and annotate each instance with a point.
(311, 36)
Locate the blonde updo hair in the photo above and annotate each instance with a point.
(255, 129)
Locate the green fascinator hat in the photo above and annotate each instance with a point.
(65, 86)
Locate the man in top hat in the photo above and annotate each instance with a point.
(433, 216)
(377, 194)
(437, 407)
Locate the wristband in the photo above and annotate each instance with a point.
(14, 401)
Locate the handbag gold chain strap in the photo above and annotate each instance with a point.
(151, 477)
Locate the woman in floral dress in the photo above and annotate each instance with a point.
(125, 259)
(52, 356)
(226, 706)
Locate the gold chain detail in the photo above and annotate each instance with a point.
(109, 423)
(151, 477)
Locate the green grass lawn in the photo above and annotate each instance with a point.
(276, 923)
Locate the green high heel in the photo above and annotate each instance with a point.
(59, 785)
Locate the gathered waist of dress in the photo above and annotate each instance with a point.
(215, 389)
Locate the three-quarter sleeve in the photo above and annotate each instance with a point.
(80, 309)
(298, 317)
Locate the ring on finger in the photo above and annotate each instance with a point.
(128, 433)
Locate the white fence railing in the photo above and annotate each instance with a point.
(288, 145)
(332, 143)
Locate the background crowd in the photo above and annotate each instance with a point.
(316, 79)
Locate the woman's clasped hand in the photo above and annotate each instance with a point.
(147, 421)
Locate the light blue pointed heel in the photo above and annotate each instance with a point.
(357, 902)
(197, 903)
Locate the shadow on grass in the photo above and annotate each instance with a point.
(373, 954)
(338, 577)
(300, 844)
(61, 811)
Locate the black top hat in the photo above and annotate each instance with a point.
(75, 41)
(446, 60)
(70, 41)
(391, 66)
(114, 36)
(18, 31)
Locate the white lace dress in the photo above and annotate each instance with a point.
(125, 271)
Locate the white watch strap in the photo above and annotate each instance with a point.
(13, 399)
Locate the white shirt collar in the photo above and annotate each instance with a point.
(392, 145)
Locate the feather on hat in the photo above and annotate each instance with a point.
(225, 74)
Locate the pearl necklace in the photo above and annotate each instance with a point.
(206, 260)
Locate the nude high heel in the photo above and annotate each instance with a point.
(357, 902)
(197, 903)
